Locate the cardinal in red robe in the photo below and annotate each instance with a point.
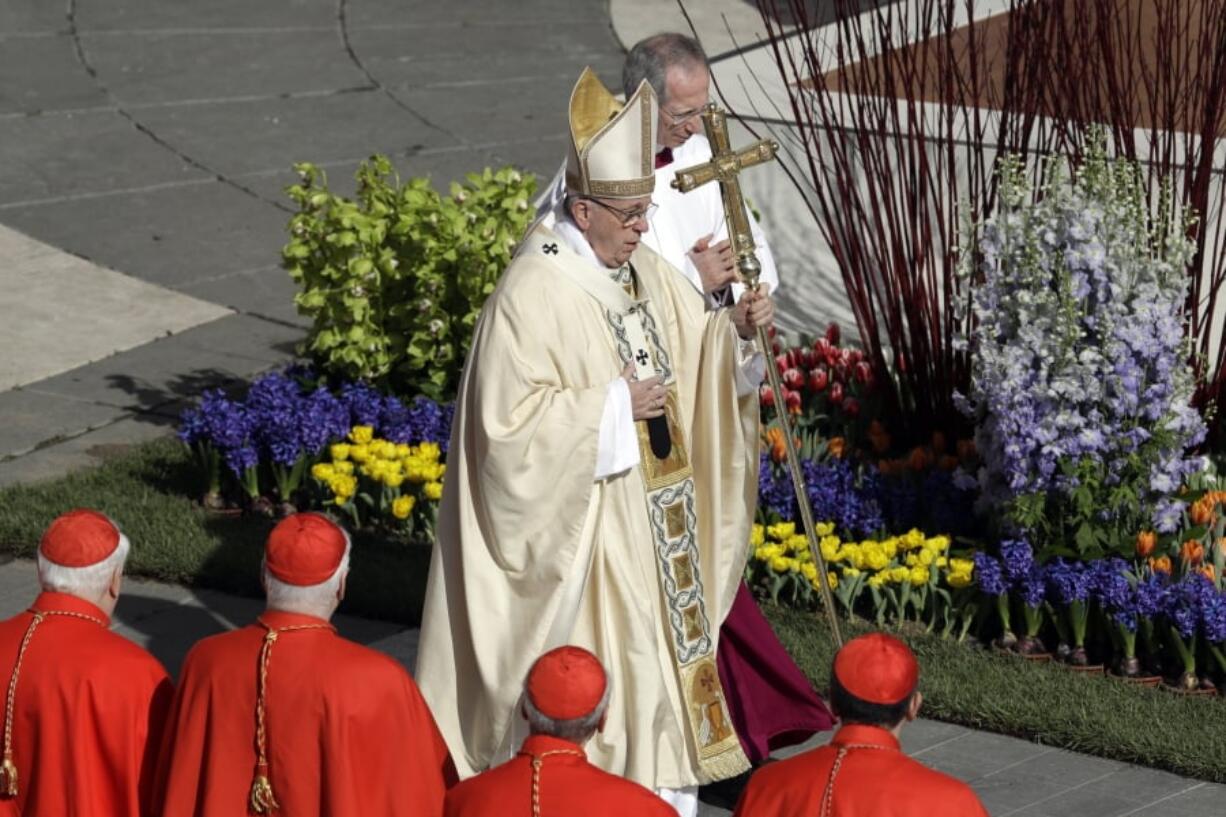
(84, 708)
(285, 717)
(862, 772)
(565, 698)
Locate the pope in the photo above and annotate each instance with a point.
(84, 708)
(284, 716)
(566, 696)
(862, 771)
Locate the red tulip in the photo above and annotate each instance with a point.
(794, 379)
(792, 399)
(853, 356)
(781, 363)
(766, 396)
(775, 347)
(808, 359)
(852, 406)
(818, 380)
(793, 357)
(833, 334)
(863, 372)
(770, 331)
(836, 393)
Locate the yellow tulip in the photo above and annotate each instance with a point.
(779, 564)
(322, 471)
(919, 576)
(339, 451)
(757, 536)
(824, 529)
(361, 434)
(343, 467)
(429, 451)
(433, 491)
(402, 506)
(781, 531)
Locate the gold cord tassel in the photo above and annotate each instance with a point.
(263, 801)
(8, 777)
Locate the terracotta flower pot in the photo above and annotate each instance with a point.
(1086, 669)
(1140, 680)
(1036, 657)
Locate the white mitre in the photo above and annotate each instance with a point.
(612, 145)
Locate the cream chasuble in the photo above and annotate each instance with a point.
(531, 552)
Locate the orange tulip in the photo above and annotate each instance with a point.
(948, 463)
(1160, 564)
(836, 447)
(966, 450)
(938, 442)
(1192, 552)
(1147, 540)
(1208, 572)
(1201, 512)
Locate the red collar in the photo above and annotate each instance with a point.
(280, 619)
(49, 601)
(537, 745)
(865, 735)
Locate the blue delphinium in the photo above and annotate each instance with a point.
(1079, 358)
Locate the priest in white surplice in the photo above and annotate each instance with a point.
(601, 477)
(689, 230)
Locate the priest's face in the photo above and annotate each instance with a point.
(687, 89)
(613, 227)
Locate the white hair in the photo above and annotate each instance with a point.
(576, 730)
(88, 582)
(309, 599)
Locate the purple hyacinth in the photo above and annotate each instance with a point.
(835, 493)
(365, 404)
(322, 418)
(989, 574)
(1188, 597)
(272, 403)
(1152, 595)
(1017, 557)
(1033, 586)
(1069, 581)
(1213, 617)
(775, 493)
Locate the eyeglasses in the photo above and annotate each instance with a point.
(676, 120)
(628, 217)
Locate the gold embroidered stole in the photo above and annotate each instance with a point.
(669, 484)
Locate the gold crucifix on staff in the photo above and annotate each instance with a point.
(725, 167)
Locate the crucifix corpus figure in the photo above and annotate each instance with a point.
(725, 167)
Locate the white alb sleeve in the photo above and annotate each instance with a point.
(750, 366)
(617, 448)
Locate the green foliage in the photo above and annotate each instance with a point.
(395, 279)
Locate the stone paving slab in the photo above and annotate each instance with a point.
(180, 367)
(168, 236)
(56, 458)
(42, 73)
(176, 65)
(60, 311)
(99, 15)
(62, 155)
(241, 137)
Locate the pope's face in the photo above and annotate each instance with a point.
(687, 88)
(610, 236)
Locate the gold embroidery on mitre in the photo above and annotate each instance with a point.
(599, 122)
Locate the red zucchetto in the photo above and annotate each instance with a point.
(566, 683)
(877, 668)
(305, 549)
(79, 538)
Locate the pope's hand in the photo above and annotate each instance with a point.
(646, 396)
(716, 266)
(753, 310)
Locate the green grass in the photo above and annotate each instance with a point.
(1044, 703)
(148, 489)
